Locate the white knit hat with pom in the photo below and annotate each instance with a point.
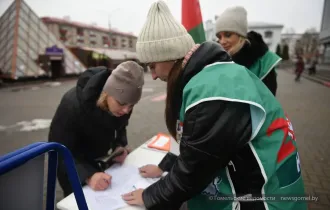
(162, 38)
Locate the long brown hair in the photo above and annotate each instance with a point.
(173, 102)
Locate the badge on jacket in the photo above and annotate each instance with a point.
(179, 130)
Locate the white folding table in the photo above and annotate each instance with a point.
(139, 157)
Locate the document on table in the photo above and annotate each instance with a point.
(124, 179)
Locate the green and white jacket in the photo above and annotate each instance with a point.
(223, 156)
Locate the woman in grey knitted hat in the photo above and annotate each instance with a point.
(229, 126)
(247, 49)
(91, 121)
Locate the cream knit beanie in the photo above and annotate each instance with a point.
(162, 38)
(233, 19)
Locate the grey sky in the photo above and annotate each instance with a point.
(129, 15)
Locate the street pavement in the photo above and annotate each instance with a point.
(26, 113)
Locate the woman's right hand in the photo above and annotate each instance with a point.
(99, 181)
(151, 171)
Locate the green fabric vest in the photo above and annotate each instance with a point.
(272, 141)
(266, 63)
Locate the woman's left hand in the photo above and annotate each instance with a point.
(134, 197)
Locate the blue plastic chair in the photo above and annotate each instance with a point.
(22, 156)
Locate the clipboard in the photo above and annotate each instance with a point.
(161, 142)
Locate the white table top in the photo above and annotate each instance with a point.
(139, 157)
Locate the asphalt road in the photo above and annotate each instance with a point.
(307, 104)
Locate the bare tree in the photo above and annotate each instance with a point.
(309, 44)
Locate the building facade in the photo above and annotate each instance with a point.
(74, 34)
(29, 50)
(31, 47)
(93, 45)
(210, 31)
(325, 33)
(271, 33)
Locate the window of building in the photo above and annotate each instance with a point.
(23, 24)
(43, 27)
(32, 65)
(2, 20)
(92, 34)
(80, 39)
(114, 42)
(52, 39)
(9, 54)
(22, 55)
(105, 41)
(130, 43)
(33, 45)
(44, 39)
(268, 34)
(24, 7)
(34, 26)
(7, 67)
(2, 52)
(6, 15)
(12, 16)
(4, 26)
(22, 44)
(20, 67)
(33, 54)
(327, 54)
(63, 32)
(12, 8)
(3, 35)
(123, 43)
(42, 46)
(33, 35)
(24, 16)
(92, 42)
(34, 18)
(80, 31)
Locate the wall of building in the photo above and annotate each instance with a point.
(210, 31)
(271, 36)
(92, 38)
(325, 26)
(325, 32)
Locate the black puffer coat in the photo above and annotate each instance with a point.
(253, 51)
(84, 128)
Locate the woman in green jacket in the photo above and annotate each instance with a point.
(237, 147)
(247, 49)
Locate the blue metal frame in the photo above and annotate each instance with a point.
(19, 157)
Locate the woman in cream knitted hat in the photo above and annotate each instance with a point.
(222, 115)
(247, 49)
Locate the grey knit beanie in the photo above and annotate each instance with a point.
(162, 38)
(233, 19)
(125, 83)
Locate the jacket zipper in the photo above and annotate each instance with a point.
(232, 164)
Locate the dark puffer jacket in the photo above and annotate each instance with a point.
(214, 131)
(84, 128)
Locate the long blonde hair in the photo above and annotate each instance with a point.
(238, 46)
(102, 102)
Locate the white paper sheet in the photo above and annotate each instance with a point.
(124, 179)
